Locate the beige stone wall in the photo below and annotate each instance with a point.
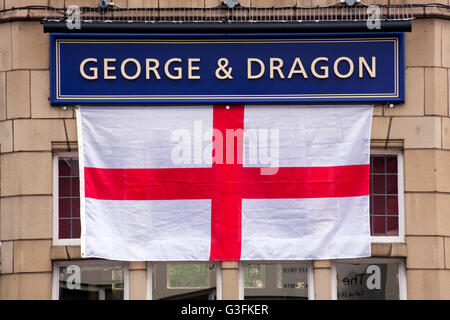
(29, 127)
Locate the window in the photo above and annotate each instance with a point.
(66, 201)
(386, 196)
(184, 281)
(90, 280)
(291, 280)
(369, 279)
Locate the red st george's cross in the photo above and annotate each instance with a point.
(226, 184)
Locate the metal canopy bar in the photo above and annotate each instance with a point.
(257, 27)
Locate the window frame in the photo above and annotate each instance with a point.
(62, 263)
(402, 283)
(400, 238)
(310, 275)
(149, 272)
(56, 241)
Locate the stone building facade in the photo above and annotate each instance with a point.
(32, 133)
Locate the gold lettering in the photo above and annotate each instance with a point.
(153, 68)
(336, 69)
(178, 70)
(302, 71)
(372, 71)
(94, 70)
(138, 69)
(325, 69)
(249, 68)
(193, 68)
(276, 67)
(107, 68)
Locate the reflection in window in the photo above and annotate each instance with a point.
(184, 281)
(367, 281)
(254, 276)
(276, 281)
(188, 275)
(81, 281)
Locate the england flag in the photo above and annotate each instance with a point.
(199, 183)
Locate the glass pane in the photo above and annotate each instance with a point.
(64, 207)
(76, 228)
(392, 184)
(184, 281)
(378, 164)
(392, 226)
(391, 164)
(64, 168)
(378, 184)
(364, 281)
(254, 276)
(276, 281)
(90, 282)
(392, 205)
(64, 228)
(379, 204)
(379, 226)
(64, 187)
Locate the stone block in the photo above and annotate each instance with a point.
(36, 286)
(322, 284)
(181, 4)
(425, 252)
(230, 265)
(7, 258)
(56, 3)
(417, 132)
(2, 96)
(420, 170)
(423, 44)
(9, 287)
(230, 283)
(74, 252)
(443, 170)
(142, 3)
(446, 43)
(32, 256)
(274, 3)
(320, 264)
(71, 127)
(212, 3)
(18, 94)
(138, 285)
(58, 253)
(443, 216)
(399, 250)
(26, 173)
(447, 252)
(380, 127)
(138, 265)
(26, 217)
(421, 214)
(40, 97)
(23, 3)
(436, 96)
(29, 45)
(6, 137)
(424, 284)
(37, 134)
(414, 95)
(445, 133)
(5, 46)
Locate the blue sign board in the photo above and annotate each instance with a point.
(95, 69)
